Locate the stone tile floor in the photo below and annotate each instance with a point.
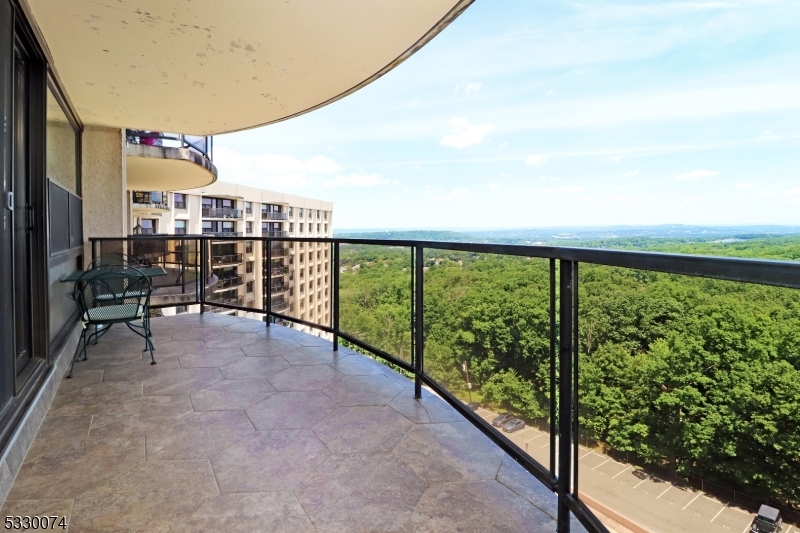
(244, 429)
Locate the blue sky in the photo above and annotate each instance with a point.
(533, 113)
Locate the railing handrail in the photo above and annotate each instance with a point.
(221, 212)
(274, 215)
(136, 136)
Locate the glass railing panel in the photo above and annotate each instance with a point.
(488, 340)
(688, 392)
(375, 296)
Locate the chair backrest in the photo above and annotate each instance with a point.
(114, 260)
(122, 292)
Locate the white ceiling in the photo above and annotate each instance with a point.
(212, 66)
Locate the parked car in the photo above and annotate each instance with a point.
(768, 520)
(501, 419)
(474, 406)
(515, 424)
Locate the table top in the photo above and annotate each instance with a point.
(150, 272)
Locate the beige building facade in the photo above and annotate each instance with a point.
(297, 274)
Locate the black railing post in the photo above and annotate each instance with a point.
(201, 242)
(335, 295)
(94, 250)
(268, 244)
(553, 387)
(419, 350)
(413, 317)
(565, 397)
(575, 352)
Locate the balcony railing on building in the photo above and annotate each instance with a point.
(150, 200)
(222, 212)
(274, 215)
(279, 288)
(228, 259)
(201, 145)
(230, 282)
(281, 251)
(279, 270)
(180, 205)
(275, 234)
(223, 233)
(279, 305)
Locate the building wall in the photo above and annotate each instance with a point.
(105, 198)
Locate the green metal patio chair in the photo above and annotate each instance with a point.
(112, 295)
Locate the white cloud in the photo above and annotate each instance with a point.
(793, 192)
(360, 179)
(696, 175)
(629, 174)
(744, 185)
(493, 186)
(414, 103)
(536, 160)
(545, 177)
(572, 188)
(270, 169)
(457, 194)
(465, 134)
(469, 87)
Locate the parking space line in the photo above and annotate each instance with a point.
(524, 430)
(601, 464)
(720, 512)
(690, 503)
(621, 471)
(546, 445)
(537, 436)
(747, 528)
(665, 491)
(584, 455)
(642, 481)
(789, 530)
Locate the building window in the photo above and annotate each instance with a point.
(290, 211)
(300, 229)
(291, 227)
(249, 227)
(147, 226)
(248, 247)
(317, 228)
(317, 214)
(248, 208)
(300, 212)
(249, 286)
(180, 309)
(180, 227)
(326, 215)
(179, 200)
(248, 267)
(326, 229)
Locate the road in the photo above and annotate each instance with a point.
(656, 504)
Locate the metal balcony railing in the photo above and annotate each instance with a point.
(160, 206)
(229, 259)
(222, 212)
(224, 284)
(201, 145)
(560, 470)
(280, 252)
(279, 288)
(222, 233)
(274, 215)
(274, 234)
(278, 271)
(180, 205)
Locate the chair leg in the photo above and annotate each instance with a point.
(81, 342)
(149, 343)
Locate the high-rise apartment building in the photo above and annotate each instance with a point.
(297, 275)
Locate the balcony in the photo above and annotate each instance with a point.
(279, 288)
(232, 300)
(228, 283)
(265, 233)
(272, 215)
(168, 161)
(149, 203)
(280, 306)
(280, 252)
(226, 260)
(222, 233)
(279, 271)
(222, 212)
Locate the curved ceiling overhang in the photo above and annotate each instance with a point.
(206, 67)
(163, 168)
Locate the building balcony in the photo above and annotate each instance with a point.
(222, 233)
(279, 271)
(168, 161)
(226, 260)
(280, 252)
(280, 288)
(232, 300)
(280, 306)
(271, 215)
(226, 284)
(274, 233)
(222, 212)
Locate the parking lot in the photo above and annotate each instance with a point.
(658, 505)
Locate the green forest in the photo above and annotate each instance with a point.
(698, 376)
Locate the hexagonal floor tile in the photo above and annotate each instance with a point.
(363, 390)
(484, 505)
(211, 358)
(181, 381)
(270, 348)
(357, 365)
(232, 340)
(291, 410)
(361, 492)
(232, 394)
(312, 356)
(454, 451)
(269, 461)
(246, 326)
(94, 399)
(519, 480)
(197, 435)
(152, 497)
(362, 429)
(140, 369)
(249, 513)
(197, 334)
(254, 367)
(304, 378)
